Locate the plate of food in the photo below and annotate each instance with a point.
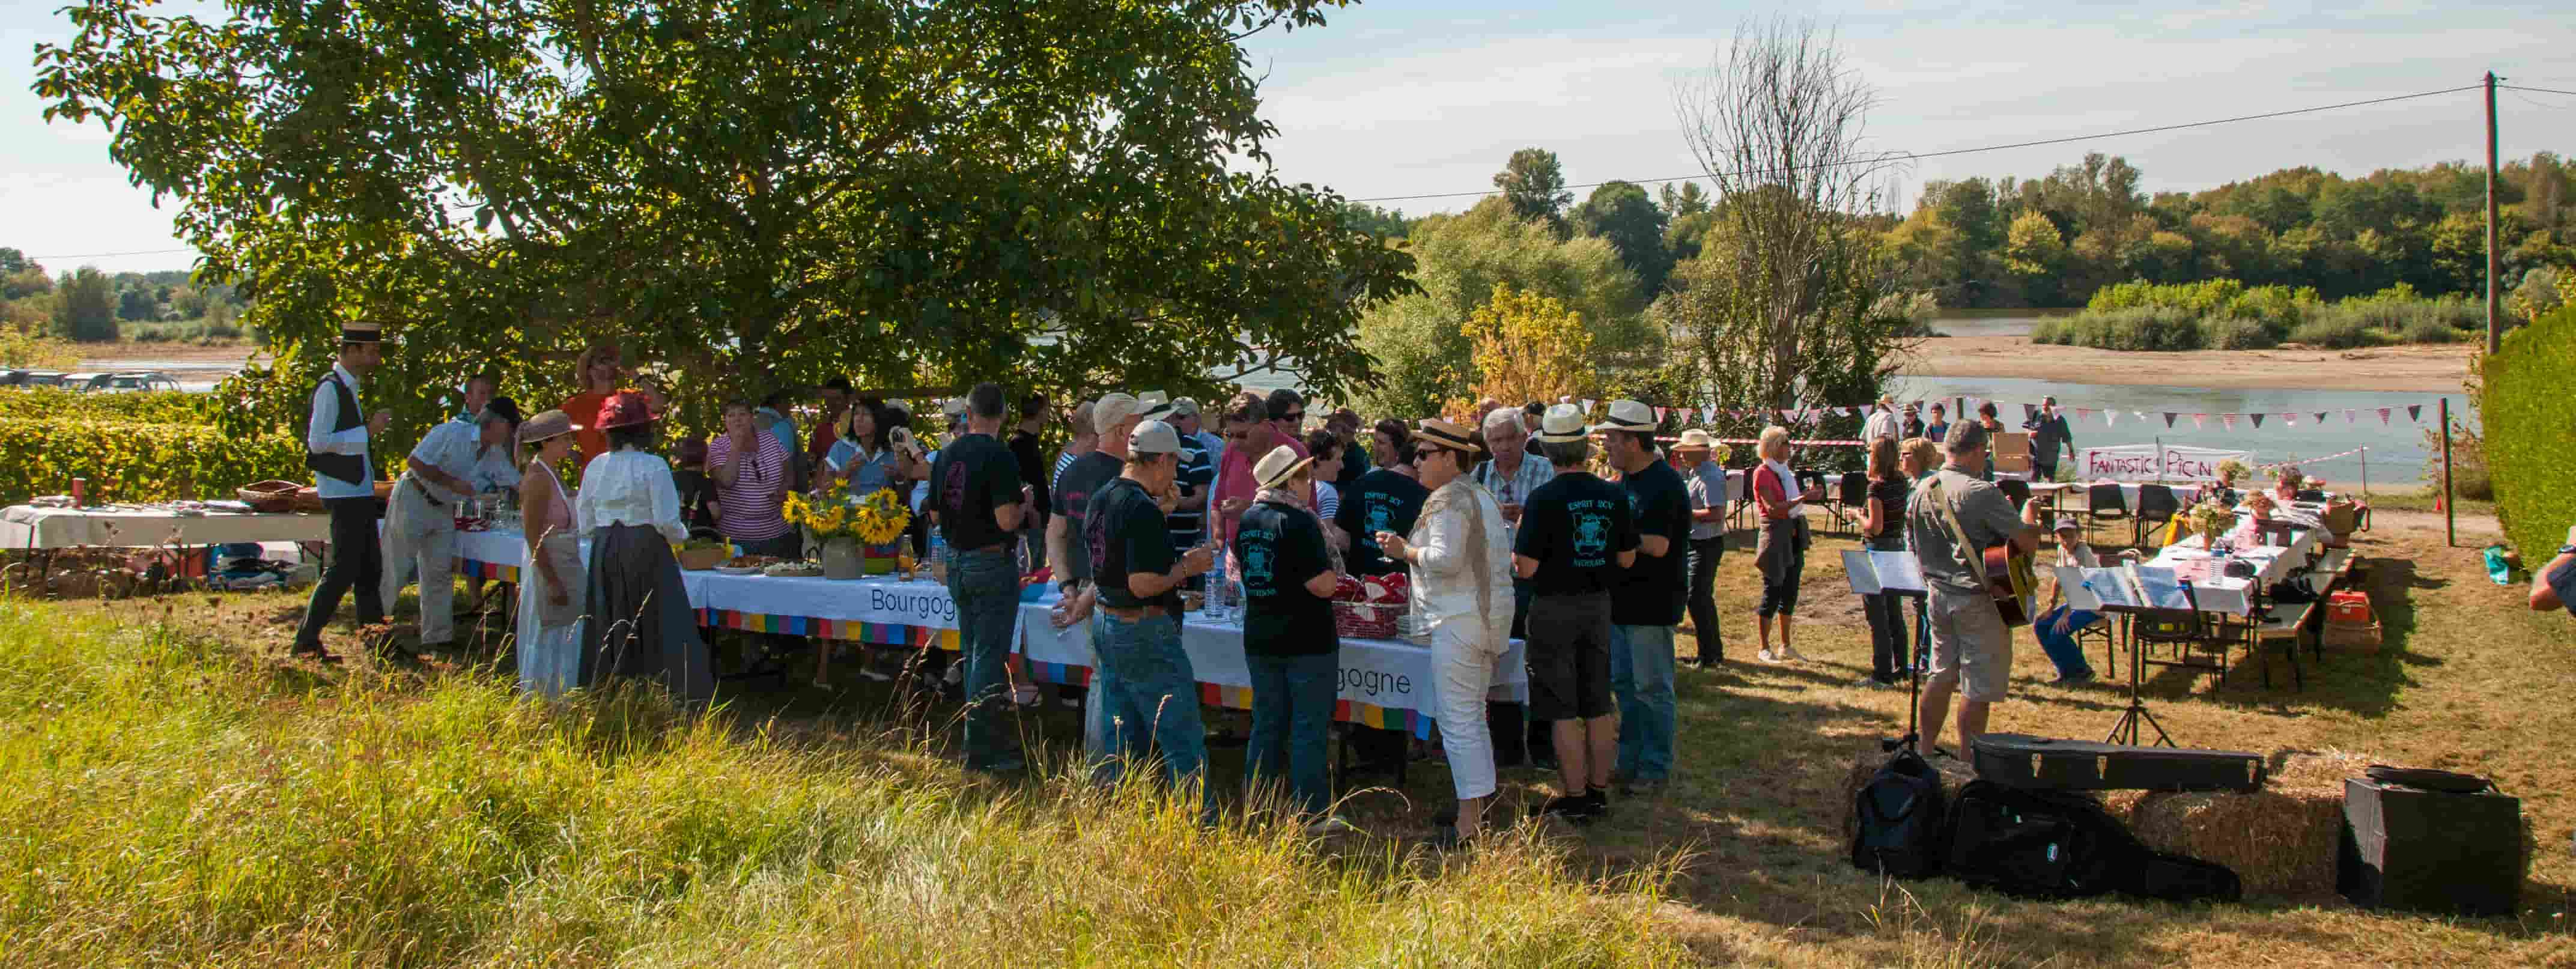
(747, 564)
(794, 570)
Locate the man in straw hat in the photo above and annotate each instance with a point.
(1576, 534)
(1648, 601)
(335, 447)
(1290, 647)
(1150, 695)
(1706, 485)
(1460, 555)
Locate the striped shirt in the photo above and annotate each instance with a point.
(749, 510)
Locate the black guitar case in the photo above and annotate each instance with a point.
(2041, 763)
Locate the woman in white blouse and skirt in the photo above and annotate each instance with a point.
(638, 621)
(551, 587)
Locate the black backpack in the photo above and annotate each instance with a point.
(2062, 844)
(1900, 815)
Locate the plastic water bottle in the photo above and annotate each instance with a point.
(1216, 583)
(938, 548)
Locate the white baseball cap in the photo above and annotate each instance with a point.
(1111, 409)
(1154, 437)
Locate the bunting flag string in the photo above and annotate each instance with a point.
(2084, 413)
(2349, 417)
(2258, 420)
(2383, 417)
(2290, 420)
(2415, 412)
(2199, 420)
(2229, 420)
(2321, 418)
(1659, 415)
(2110, 417)
(2169, 419)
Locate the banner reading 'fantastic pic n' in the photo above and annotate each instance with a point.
(2147, 462)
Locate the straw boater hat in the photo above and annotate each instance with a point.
(362, 331)
(1155, 407)
(1152, 397)
(1696, 440)
(1445, 434)
(1281, 464)
(1562, 424)
(546, 426)
(1628, 415)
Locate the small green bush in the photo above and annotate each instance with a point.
(2236, 333)
(2335, 328)
(2137, 328)
(2530, 431)
(38, 403)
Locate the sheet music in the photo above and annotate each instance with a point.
(1857, 569)
(2126, 587)
(1898, 571)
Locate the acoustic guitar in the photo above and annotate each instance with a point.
(2013, 579)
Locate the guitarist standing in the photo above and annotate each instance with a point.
(1951, 522)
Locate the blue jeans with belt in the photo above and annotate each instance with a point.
(1292, 720)
(1641, 680)
(1152, 699)
(985, 584)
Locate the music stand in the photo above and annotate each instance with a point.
(1905, 580)
(2125, 730)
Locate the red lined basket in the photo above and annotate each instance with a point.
(1369, 620)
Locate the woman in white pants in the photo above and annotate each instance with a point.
(1462, 583)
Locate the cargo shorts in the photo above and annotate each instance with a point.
(1971, 646)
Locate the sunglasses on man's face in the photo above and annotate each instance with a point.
(1426, 453)
(1298, 416)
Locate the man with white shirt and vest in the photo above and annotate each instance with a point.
(335, 447)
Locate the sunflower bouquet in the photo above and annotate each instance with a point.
(874, 520)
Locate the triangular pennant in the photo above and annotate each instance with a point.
(2139, 414)
(2258, 419)
(2110, 418)
(2415, 412)
(2084, 413)
(2290, 420)
(2383, 415)
(1659, 414)
(1587, 404)
(1867, 411)
(1788, 416)
(2200, 420)
(2349, 418)
(1843, 412)
(2229, 420)
(2321, 417)
(2169, 418)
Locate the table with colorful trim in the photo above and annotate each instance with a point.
(1387, 684)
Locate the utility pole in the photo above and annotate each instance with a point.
(2495, 332)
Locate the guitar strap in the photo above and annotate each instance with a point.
(1959, 534)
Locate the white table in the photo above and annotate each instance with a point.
(141, 526)
(1384, 683)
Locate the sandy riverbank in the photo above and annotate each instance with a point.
(2426, 369)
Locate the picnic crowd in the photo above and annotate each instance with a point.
(1587, 541)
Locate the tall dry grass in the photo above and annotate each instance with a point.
(165, 799)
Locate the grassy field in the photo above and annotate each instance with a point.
(174, 793)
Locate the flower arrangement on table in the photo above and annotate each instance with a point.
(873, 522)
(2211, 521)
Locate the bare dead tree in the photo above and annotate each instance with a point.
(1786, 307)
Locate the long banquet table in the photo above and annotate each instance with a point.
(139, 526)
(1383, 683)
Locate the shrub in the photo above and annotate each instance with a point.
(2138, 328)
(154, 408)
(2335, 328)
(138, 461)
(2530, 431)
(2236, 333)
(41, 352)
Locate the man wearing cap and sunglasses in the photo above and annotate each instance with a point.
(1576, 534)
(335, 447)
(1649, 599)
(1460, 554)
(1151, 696)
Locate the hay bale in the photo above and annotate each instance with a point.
(2280, 840)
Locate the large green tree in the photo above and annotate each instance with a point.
(1534, 183)
(85, 306)
(1063, 194)
(1622, 213)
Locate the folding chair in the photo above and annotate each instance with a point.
(2285, 622)
(2181, 630)
(1851, 501)
(2156, 506)
(2103, 503)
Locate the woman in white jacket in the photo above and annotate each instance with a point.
(1462, 583)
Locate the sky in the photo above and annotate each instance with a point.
(1417, 97)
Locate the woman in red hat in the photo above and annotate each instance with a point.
(637, 617)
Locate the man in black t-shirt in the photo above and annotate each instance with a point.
(1290, 647)
(1146, 685)
(1576, 533)
(1648, 601)
(1380, 501)
(975, 504)
(1113, 417)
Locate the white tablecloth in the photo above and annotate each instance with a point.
(1377, 675)
(24, 526)
(2216, 593)
(2080, 493)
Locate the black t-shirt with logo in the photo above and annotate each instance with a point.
(1575, 526)
(1280, 549)
(1123, 533)
(1653, 590)
(973, 476)
(1380, 501)
(1072, 501)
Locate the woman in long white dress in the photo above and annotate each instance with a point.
(552, 586)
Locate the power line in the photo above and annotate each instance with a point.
(2543, 90)
(111, 255)
(1970, 151)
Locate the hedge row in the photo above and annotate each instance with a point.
(2531, 433)
(136, 460)
(152, 408)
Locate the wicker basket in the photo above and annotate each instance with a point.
(2351, 637)
(271, 497)
(703, 558)
(1374, 620)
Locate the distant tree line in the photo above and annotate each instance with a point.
(92, 306)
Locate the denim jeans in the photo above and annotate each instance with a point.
(1292, 719)
(1705, 554)
(1641, 678)
(1095, 707)
(1152, 699)
(1887, 653)
(2064, 651)
(986, 587)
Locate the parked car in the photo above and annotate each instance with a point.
(131, 382)
(33, 378)
(83, 382)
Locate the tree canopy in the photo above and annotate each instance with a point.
(1047, 192)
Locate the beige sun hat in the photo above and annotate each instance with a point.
(1281, 464)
